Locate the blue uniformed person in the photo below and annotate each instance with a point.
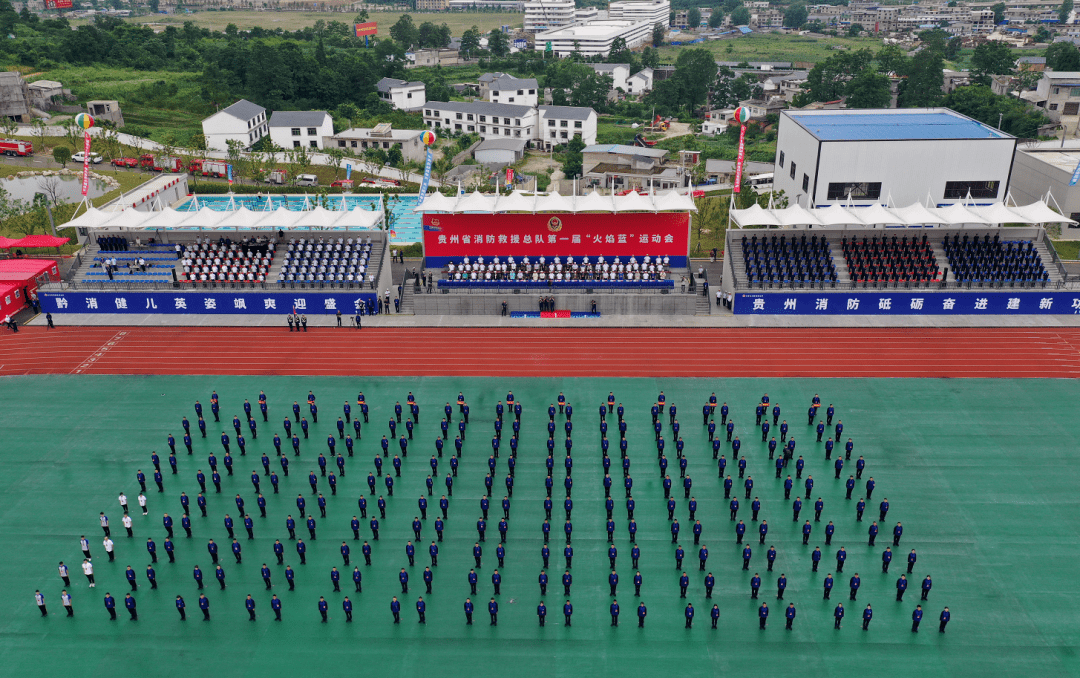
(493, 610)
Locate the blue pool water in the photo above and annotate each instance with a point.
(407, 225)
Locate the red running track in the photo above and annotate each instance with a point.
(546, 352)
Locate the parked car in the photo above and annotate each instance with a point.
(95, 158)
(126, 162)
(307, 180)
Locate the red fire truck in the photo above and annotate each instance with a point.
(16, 147)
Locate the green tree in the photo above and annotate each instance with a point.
(854, 30)
(658, 33)
(619, 53)
(999, 12)
(1063, 56)
(650, 58)
(695, 71)
(62, 155)
(434, 36)
(923, 84)
(827, 81)
(993, 57)
(716, 19)
(868, 89)
(571, 165)
(1065, 11)
(361, 17)
(154, 4)
(498, 43)
(337, 157)
(470, 40)
(1042, 35)
(891, 59)
(405, 32)
(980, 103)
(795, 16)
(740, 16)
(236, 157)
(693, 18)
(232, 30)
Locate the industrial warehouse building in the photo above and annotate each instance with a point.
(890, 156)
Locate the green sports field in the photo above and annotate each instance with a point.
(981, 473)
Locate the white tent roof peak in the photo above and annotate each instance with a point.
(515, 202)
(755, 215)
(796, 215)
(634, 202)
(437, 202)
(594, 202)
(475, 202)
(553, 202)
(835, 215)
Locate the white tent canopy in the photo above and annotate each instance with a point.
(878, 214)
(475, 202)
(958, 214)
(997, 213)
(203, 218)
(1040, 213)
(320, 217)
(835, 215)
(242, 218)
(634, 202)
(794, 215)
(358, 217)
(91, 218)
(515, 202)
(670, 201)
(166, 218)
(915, 214)
(129, 219)
(594, 202)
(281, 218)
(553, 202)
(755, 215)
(912, 215)
(437, 202)
(673, 201)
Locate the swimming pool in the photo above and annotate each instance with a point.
(407, 225)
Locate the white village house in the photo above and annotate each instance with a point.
(293, 129)
(243, 121)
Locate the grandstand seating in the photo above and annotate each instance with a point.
(787, 259)
(892, 259)
(566, 272)
(159, 259)
(557, 284)
(334, 261)
(226, 261)
(992, 260)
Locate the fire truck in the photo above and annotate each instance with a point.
(160, 164)
(209, 168)
(16, 147)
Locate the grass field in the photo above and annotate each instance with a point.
(773, 47)
(458, 22)
(977, 471)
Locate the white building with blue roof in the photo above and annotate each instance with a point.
(895, 156)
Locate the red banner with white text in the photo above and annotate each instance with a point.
(578, 235)
(86, 163)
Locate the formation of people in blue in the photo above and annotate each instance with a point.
(742, 496)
